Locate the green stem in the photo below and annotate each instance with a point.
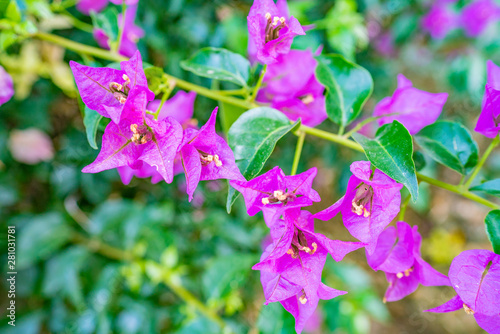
(105, 54)
(111, 252)
(259, 83)
(363, 123)
(401, 216)
(116, 46)
(355, 146)
(241, 92)
(298, 151)
(166, 93)
(485, 156)
(331, 137)
(76, 22)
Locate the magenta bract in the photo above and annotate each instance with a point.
(206, 156)
(273, 192)
(290, 86)
(106, 90)
(411, 107)
(478, 15)
(6, 86)
(271, 30)
(371, 202)
(475, 276)
(439, 21)
(488, 123)
(398, 255)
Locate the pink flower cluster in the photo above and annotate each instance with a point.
(142, 143)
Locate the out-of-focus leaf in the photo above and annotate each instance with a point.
(274, 319)
(490, 187)
(62, 275)
(492, 223)
(348, 87)
(219, 64)
(155, 78)
(419, 160)
(91, 119)
(200, 325)
(29, 323)
(226, 273)
(450, 144)
(253, 138)
(391, 151)
(107, 21)
(41, 236)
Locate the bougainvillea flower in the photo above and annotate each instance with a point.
(412, 107)
(6, 86)
(478, 15)
(86, 6)
(371, 202)
(106, 90)
(271, 30)
(273, 192)
(488, 123)
(398, 255)
(180, 107)
(206, 156)
(475, 276)
(290, 86)
(295, 234)
(30, 146)
(294, 278)
(439, 21)
(493, 75)
(137, 139)
(131, 33)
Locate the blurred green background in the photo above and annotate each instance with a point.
(93, 254)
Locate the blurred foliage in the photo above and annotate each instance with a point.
(67, 283)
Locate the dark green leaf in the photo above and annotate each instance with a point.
(391, 151)
(253, 138)
(155, 78)
(91, 120)
(219, 64)
(40, 237)
(450, 144)
(490, 187)
(492, 223)
(348, 86)
(107, 20)
(419, 160)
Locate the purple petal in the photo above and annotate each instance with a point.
(301, 184)
(6, 86)
(477, 15)
(282, 234)
(180, 106)
(488, 123)
(192, 168)
(493, 74)
(400, 287)
(301, 312)
(276, 287)
(327, 293)
(415, 108)
(490, 324)
(133, 69)
(85, 6)
(160, 152)
(478, 289)
(117, 149)
(451, 305)
(93, 85)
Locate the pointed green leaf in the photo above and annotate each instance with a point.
(348, 86)
(490, 187)
(107, 21)
(219, 64)
(492, 223)
(253, 138)
(450, 144)
(91, 120)
(155, 78)
(391, 151)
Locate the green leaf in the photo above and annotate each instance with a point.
(40, 237)
(391, 151)
(228, 114)
(91, 120)
(227, 273)
(155, 78)
(253, 138)
(492, 223)
(348, 87)
(219, 64)
(490, 187)
(450, 144)
(107, 20)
